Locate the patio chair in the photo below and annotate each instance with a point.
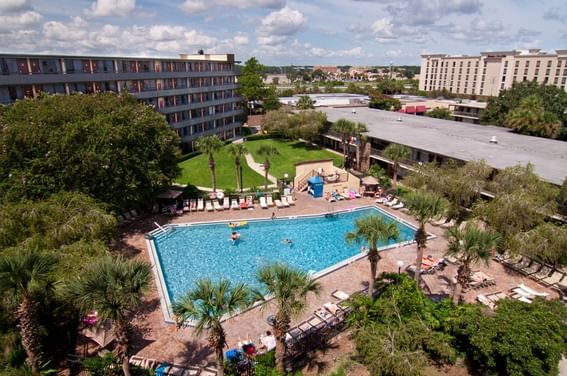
(226, 203)
(200, 205)
(270, 201)
(326, 316)
(543, 273)
(217, 206)
(530, 291)
(392, 202)
(533, 268)
(208, 371)
(278, 203)
(553, 279)
(193, 205)
(285, 202)
(399, 205)
(526, 261)
(290, 200)
(209, 206)
(340, 295)
(234, 205)
(263, 203)
(485, 301)
(136, 360)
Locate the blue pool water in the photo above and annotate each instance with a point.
(205, 250)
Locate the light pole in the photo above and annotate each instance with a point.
(285, 176)
(400, 265)
(241, 186)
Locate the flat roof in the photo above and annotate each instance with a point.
(180, 58)
(462, 141)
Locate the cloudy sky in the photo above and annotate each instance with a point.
(282, 32)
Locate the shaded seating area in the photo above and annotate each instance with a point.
(547, 275)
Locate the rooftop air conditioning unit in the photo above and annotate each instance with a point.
(493, 140)
(399, 118)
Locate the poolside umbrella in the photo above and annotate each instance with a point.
(369, 180)
(102, 334)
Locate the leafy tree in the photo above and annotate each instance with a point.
(207, 304)
(531, 118)
(372, 230)
(286, 93)
(345, 128)
(271, 100)
(305, 103)
(310, 124)
(425, 207)
(380, 174)
(385, 103)
(389, 86)
(23, 278)
(210, 145)
(553, 98)
(440, 113)
(112, 286)
(277, 123)
(86, 143)
(396, 153)
(268, 152)
(470, 246)
(546, 242)
(237, 152)
(251, 83)
(288, 289)
(562, 198)
(518, 339)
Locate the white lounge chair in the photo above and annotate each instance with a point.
(200, 205)
(392, 202)
(531, 291)
(226, 203)
(217, 206)
(290, 200)
(263, 203)
(269, 201)
(209, 206)
(278, 204)
(234, 205)
(451, 223)
(398, 205)
(285, 202)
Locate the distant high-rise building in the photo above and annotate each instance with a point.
(196, 93)
(491, 72)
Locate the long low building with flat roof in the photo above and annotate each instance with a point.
(438, 140)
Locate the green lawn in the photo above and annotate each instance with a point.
(196, 171)
(291, 153)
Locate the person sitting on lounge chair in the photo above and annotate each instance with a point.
(268, 341)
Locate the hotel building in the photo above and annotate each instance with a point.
(491, 72)
(197, 94)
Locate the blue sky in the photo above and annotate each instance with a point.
(282, 32)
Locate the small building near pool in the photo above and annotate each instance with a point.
(333, 179)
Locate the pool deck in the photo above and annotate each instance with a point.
(154, 338)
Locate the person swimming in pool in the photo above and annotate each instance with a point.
(287, 241)
(234, 236)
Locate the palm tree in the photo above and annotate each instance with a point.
(207, 304)
(470, 245)
(288, 289)
(23, 277)
(424, 207)
(359, 128)
(344, 128)
(237, 151)
(396, 153)
(113, 286)
(210, 145)
(305, 103)
(268, 152)
(373, 229)
(531, 118)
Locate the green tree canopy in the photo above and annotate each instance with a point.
(397, 153)
(305, 103)
(108, 146)
(439, 113)
(252, 86)
(531, 118)
(385, 103)
(546, 242)
(271, 100)
(553, 98)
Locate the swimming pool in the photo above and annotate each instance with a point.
(193, 251)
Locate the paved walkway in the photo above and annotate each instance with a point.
(258, 167)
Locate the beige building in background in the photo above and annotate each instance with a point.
(491, 72)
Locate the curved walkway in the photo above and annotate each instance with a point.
(258, 167)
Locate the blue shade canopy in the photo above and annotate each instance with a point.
(315, 180)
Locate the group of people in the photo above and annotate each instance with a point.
(267, 343)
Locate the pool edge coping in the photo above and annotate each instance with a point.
(165, 302)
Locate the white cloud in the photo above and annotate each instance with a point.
(383, 30)
(15, 5)
(112, 7)
(18, 21)
(195, 6)
(57, 31)
(192, 6)
(277, 26)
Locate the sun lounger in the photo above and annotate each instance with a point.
(553, 279)
(341, 295)
(217, 206)
(531, 291)
(278, 204)
(526, 261)
(327, 316)
(209, 206)
(290, 200)
(136, 360)
(234, 205)
(242, 203)
(331, 198)
(543, 273)
(208, 371)
(380, 200)
(513, 260)
(270, 201)
(533, 268)
(398, 206)
(200, 205)
(263, 203)
(226, 203)
(487, 302)
(451, 223)
(250, 202)
(285, 202)
(392, 202)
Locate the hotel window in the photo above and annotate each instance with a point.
(547, 72)
(505, 64)
(105, 66)
(73, 66)
(536, 71)
(49, 66)
(77, 87)
(54, 88)
(537, 64)
(557, 72)
(549, 64)
(527, 63)
(525, 71)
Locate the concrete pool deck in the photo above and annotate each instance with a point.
(154, 338)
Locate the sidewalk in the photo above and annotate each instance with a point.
(258, 167)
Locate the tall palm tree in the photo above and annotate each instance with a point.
(470, 246)
(373, 229)
(358, 130)
(425, 207)
(396, 153)
(345, 128)
(207, 304)
(288, 289)
(268, 152)
(210, 145)
(305, 103)
(113, 286)
(23, 277)
(237, 152)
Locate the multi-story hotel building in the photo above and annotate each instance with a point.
(197, 94)
(491, 72)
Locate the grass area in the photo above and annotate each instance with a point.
(196, 171)
(291, 153)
